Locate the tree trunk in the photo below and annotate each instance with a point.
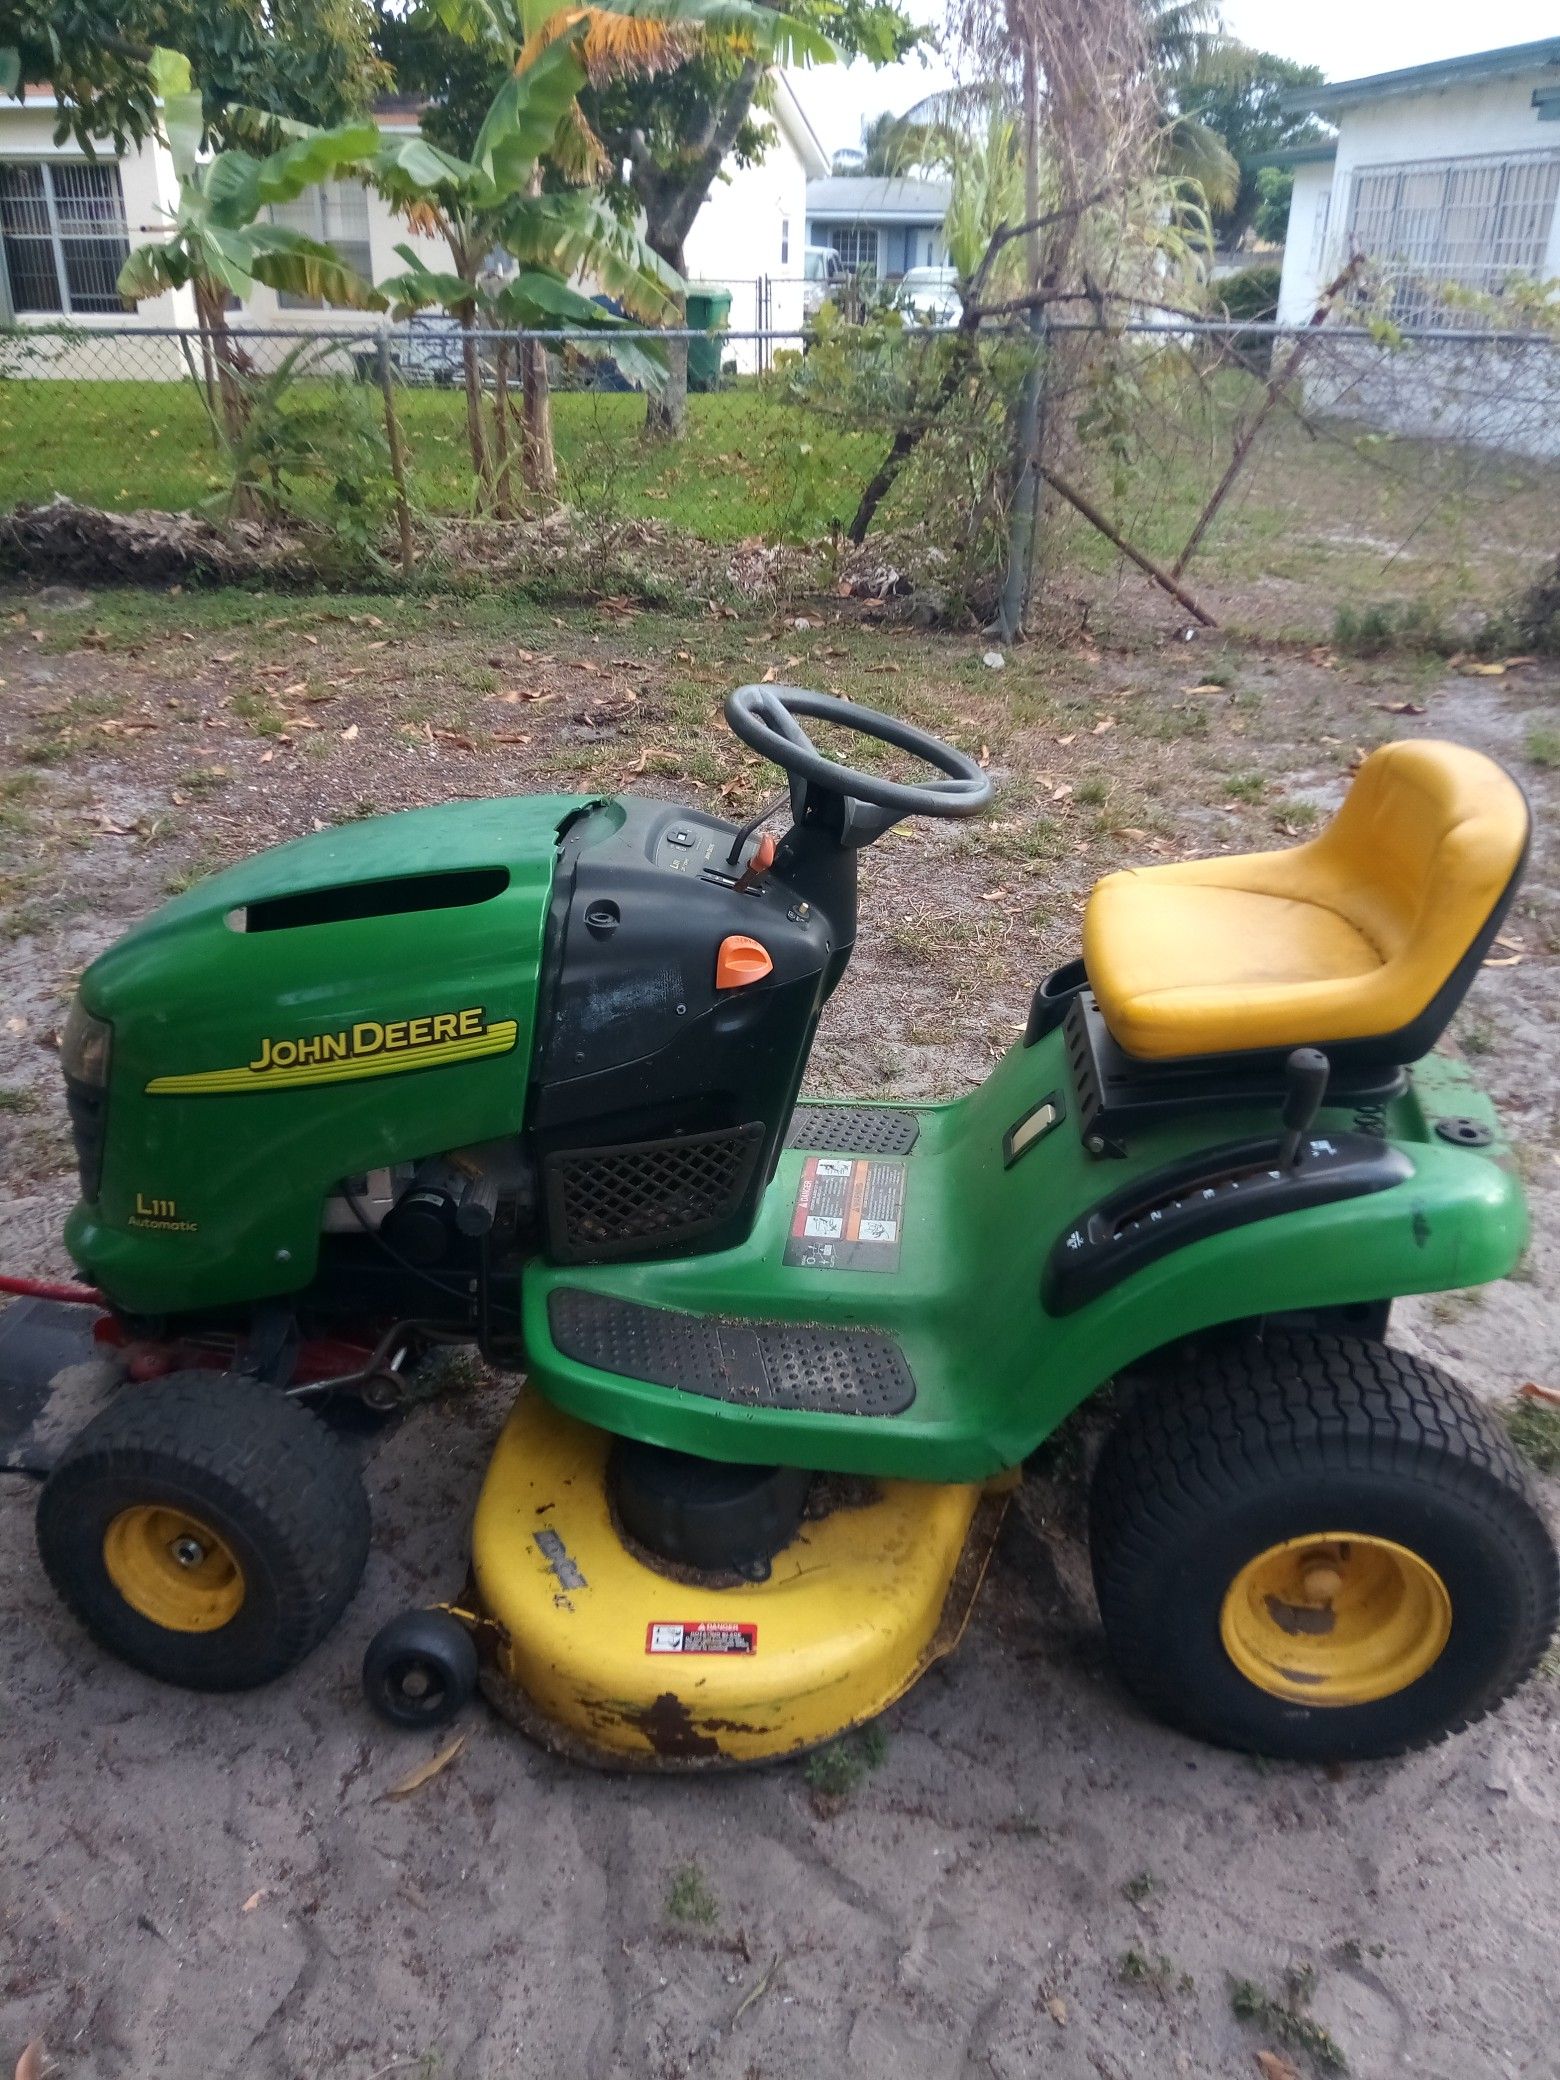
(220, 353)
(501, 456)
(1029, 424)
(672, 197)
(471, 372)
(666, 411)
(538, 462)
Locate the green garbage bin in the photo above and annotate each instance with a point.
(708, 311)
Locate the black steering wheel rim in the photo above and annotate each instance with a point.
(765, 718)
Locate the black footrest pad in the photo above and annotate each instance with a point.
(842, 1372)
(853, 1130)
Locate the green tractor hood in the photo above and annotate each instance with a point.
(362, 997)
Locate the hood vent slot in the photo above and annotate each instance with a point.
(401, 896)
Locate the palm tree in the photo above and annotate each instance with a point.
(897, 145)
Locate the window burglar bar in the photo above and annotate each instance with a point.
(1472, 222)
(63, 227)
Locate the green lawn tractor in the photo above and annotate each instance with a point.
(525, 1074)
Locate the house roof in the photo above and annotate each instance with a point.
(1291, 155)
(1514, 58)
(793, 119)
(868, 198)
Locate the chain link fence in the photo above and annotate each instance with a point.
(1294, 466)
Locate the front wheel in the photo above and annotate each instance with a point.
(205, 1529)
(1318, 1548)
(420, 1669)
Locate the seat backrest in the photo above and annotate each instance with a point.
(1422, 859)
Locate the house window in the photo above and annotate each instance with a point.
(1474, 222)
(335, 213)
(63, 227)
(785, 241)
(856, 244)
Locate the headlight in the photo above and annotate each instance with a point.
(84, 1055)
(84, 1047)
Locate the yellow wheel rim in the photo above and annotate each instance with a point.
(1336, 1619)
(173, 1569)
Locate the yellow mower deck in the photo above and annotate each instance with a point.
(607, 1657)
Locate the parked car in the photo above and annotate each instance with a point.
(823, 271)
(930, 295)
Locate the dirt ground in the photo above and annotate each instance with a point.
(1027, 1877)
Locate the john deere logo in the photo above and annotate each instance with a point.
(369, 1048)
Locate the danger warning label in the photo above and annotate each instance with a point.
(705, 1636)
(849, 1215)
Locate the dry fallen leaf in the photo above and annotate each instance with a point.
(511, 736)
(1530, 1390)
(1273, 2065)
(985, 756)
(449, 736)
(1208, 686)
(253, 1900)
(30, 2065)
(427, 1771)
(1071, 737)
(1486, 671)
(1402, 707)
(1060, 794)
(770, 676)
(1055, 2007)
(349, 734)
(1105, 722)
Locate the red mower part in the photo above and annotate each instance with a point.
(52, 1289)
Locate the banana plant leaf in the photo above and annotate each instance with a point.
(536, 301)
(237, 186)
(420, 287)
(408, 167)
(779, 37)
(526, 112)
(577, 234)
(151, 271)
(298, 266)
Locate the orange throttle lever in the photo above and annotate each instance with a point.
(741, 961)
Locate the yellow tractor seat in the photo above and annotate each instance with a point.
(1363, 941)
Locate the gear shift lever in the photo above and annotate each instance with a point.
(1305, 1085)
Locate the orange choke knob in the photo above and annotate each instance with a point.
(741, 960)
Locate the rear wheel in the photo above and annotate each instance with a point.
(1319, 1548)
(205, 1529)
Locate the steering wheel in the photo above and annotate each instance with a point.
(766, 719)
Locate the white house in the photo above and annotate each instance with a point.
(1440, 173)
(750, 234)
(1442, 176)
(67, 222)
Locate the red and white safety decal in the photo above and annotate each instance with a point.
(704, 1636)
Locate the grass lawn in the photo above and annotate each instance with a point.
(1323, 515)
(749, 465)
